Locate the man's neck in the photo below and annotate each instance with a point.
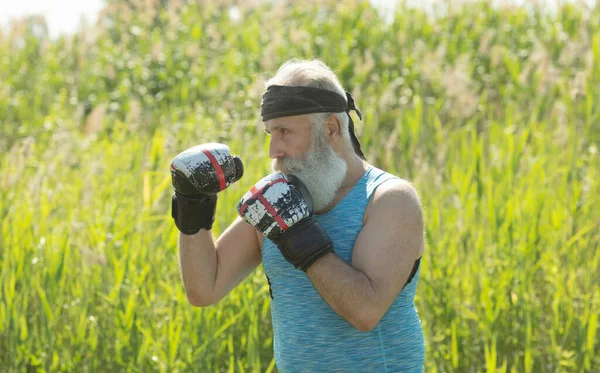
(356, 169)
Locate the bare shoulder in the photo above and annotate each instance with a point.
(395, 195)
(395, 206)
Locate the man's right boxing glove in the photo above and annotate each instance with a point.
(198, 174)
(281, 208)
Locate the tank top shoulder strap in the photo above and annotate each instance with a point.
(375, 178)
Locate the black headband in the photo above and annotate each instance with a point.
(284, 101)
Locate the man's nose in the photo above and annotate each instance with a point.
(275, 149)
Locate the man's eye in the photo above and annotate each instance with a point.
(284, 131)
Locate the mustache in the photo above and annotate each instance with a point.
(289, 165)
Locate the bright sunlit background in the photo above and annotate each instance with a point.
(62, 16)
(65, 16)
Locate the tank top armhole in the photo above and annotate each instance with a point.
(413, 272)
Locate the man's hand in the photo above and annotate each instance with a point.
(198, 174)
(281, 208)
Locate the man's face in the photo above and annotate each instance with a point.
(299, 148)
(290, 136)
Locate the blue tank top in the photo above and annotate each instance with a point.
(309, 336)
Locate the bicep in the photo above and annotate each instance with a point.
(238, 255)
(390, 241)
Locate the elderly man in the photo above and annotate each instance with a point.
(339, 239)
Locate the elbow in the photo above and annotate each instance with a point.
(198, 301)
(366, 322)
(364, 325)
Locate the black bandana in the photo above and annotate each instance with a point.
(284, 101)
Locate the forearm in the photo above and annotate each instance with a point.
(348, 291)
(198, 263)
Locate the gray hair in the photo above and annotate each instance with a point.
(314, 73)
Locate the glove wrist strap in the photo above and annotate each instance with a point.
(193, 213)
(304, 243)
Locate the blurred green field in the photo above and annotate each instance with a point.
(492, 113)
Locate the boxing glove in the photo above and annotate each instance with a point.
(281, 208)
(197, 175)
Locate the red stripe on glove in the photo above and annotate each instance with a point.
(258, 194)
(217, 166)
(278, 219)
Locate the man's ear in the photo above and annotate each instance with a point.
(334, 128)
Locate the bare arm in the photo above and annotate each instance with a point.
(210, 270)
(383, 257)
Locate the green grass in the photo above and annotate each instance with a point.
(493, 114)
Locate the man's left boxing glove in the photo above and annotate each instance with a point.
(281, 208)
(198, 174)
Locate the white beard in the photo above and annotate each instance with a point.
(322, 171)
